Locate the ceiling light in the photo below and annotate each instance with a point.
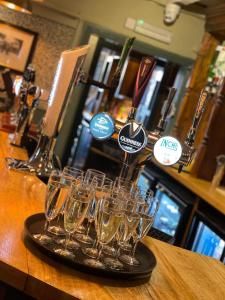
(17, 5)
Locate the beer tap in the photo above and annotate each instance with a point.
(188, 148)
(44, 159)
(111, 86)
(28, 96)
(139, 145)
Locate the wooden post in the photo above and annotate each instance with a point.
(213, 143)
(197, 82)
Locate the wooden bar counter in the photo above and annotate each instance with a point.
(179, 274)
(202, 188)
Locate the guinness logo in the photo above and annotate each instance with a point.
(132, 137)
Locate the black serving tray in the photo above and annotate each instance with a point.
(35, 223)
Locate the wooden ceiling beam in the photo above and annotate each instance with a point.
(215, 21)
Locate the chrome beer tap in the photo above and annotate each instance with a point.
(28, 96)
(188, 145)
(44, 160)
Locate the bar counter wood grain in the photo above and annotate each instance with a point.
(179, 274)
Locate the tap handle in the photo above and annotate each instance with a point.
(144, 74)
(168, 102)
(29, 74)
(125, 52)
(203, 99)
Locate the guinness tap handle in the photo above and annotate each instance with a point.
(144, 74)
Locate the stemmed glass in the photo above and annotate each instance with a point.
(69, 175)
(75, 211)
(145, 222)
(126, 229)
(57, 190)
(107, 221)
(96, 178)
(101, 194)
(123, 183)
(74, 172)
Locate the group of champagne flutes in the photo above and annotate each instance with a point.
(104, 219)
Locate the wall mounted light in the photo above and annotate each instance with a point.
(23, 6)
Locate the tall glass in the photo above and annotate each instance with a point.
(93, 178)
(75, 211)
(57, 190)
(107, 222)
(67, 178)
(144, 224)
(125, 232)
(74, 172)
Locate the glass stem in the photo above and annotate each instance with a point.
(95, 244)
(134, 248)
(117, 252)
(45, 229)
(100, 250)
(88, 228)
(67, 240)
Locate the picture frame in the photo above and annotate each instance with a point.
(16, 46)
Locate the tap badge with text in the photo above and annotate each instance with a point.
(132, 137)
(102, 126)
(167, 150)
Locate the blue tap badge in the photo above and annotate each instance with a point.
(102, 126)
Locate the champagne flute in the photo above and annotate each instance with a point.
(67, 178)
(92, 177)
(100, 197)
(126, 229)
(107, 223)
(145, 222)
(76, 209)
(57, 189)
(74, 172)
(123, 182)
(91, 173)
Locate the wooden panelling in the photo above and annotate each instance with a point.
(197, 82)
(215, 21)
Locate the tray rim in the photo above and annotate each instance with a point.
(124, 275)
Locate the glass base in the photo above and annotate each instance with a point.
(129, 260)
(94, 263)
(126, 247)
(91, 252)
(70, 245)
(43, 238)
(109, 250)
(81, 229)
(83, 238)
(113, 263)
(65, 252)
(57, 230)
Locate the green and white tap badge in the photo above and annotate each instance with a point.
(167, 150)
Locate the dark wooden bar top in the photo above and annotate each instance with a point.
(179, 274)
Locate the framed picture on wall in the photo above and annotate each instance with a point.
(16, 46)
